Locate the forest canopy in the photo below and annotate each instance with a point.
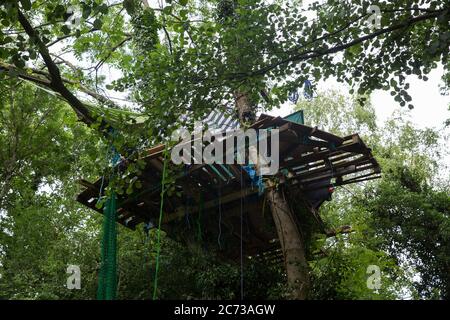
(71, 70)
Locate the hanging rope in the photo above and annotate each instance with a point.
(220, 217)
(200, 211)
(264, 206)
(158, 239)
(107, 281)
(308, 91)
(241, 235)
(186, 205)
(186, 213)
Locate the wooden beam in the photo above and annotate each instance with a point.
(332, 169)
(87, 184)
(180, 212)
(348, 147)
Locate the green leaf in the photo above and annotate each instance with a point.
(65, 29)
(98, 24)
(129, 7)
(129, 190)
(86, 12)
(26, 4)
(103, 8)
(167, 9)
(19, 63)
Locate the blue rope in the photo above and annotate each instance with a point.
(257, 180)
(307, 92)
(293, 96)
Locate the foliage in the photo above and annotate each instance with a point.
(400, 222)
(178, 62)
(44, 151)
(190, 57)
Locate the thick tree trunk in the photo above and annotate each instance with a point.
(292, 243)
(244, 108)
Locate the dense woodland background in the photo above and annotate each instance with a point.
(181, 59)
(401, 222)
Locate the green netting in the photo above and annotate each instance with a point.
(107, 281)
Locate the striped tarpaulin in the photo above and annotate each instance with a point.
(221, 121)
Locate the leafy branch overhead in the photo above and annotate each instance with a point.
(139, 69)
(181, 57)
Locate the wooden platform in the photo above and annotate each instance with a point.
(213, 198)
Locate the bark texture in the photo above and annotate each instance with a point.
(292, 245)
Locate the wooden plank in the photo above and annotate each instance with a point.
(309, 131)
(180, 212)
(321, 163)
(156, 149)
(87, 184)
(326, 168)
(340, 172)
(319, 155)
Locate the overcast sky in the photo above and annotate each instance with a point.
(430, 107)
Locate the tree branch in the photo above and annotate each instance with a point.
(340, 230)
(56, 82)
(43, 78)
(117, 46)
(68, 36)
(311, 54)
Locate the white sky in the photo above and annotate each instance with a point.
(430, 107)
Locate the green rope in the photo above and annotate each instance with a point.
(158, 243)
(107, 283)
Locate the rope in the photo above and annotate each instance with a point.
(186, 213)
(264, 205)
(107, 281)
(200, 211)
(101, 189)
(158, 241)
(108, 271)
(242, 256)
(186, 205)
(220, 217)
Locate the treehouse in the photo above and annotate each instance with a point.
(222, 207)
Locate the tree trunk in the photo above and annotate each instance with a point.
(292, 243)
